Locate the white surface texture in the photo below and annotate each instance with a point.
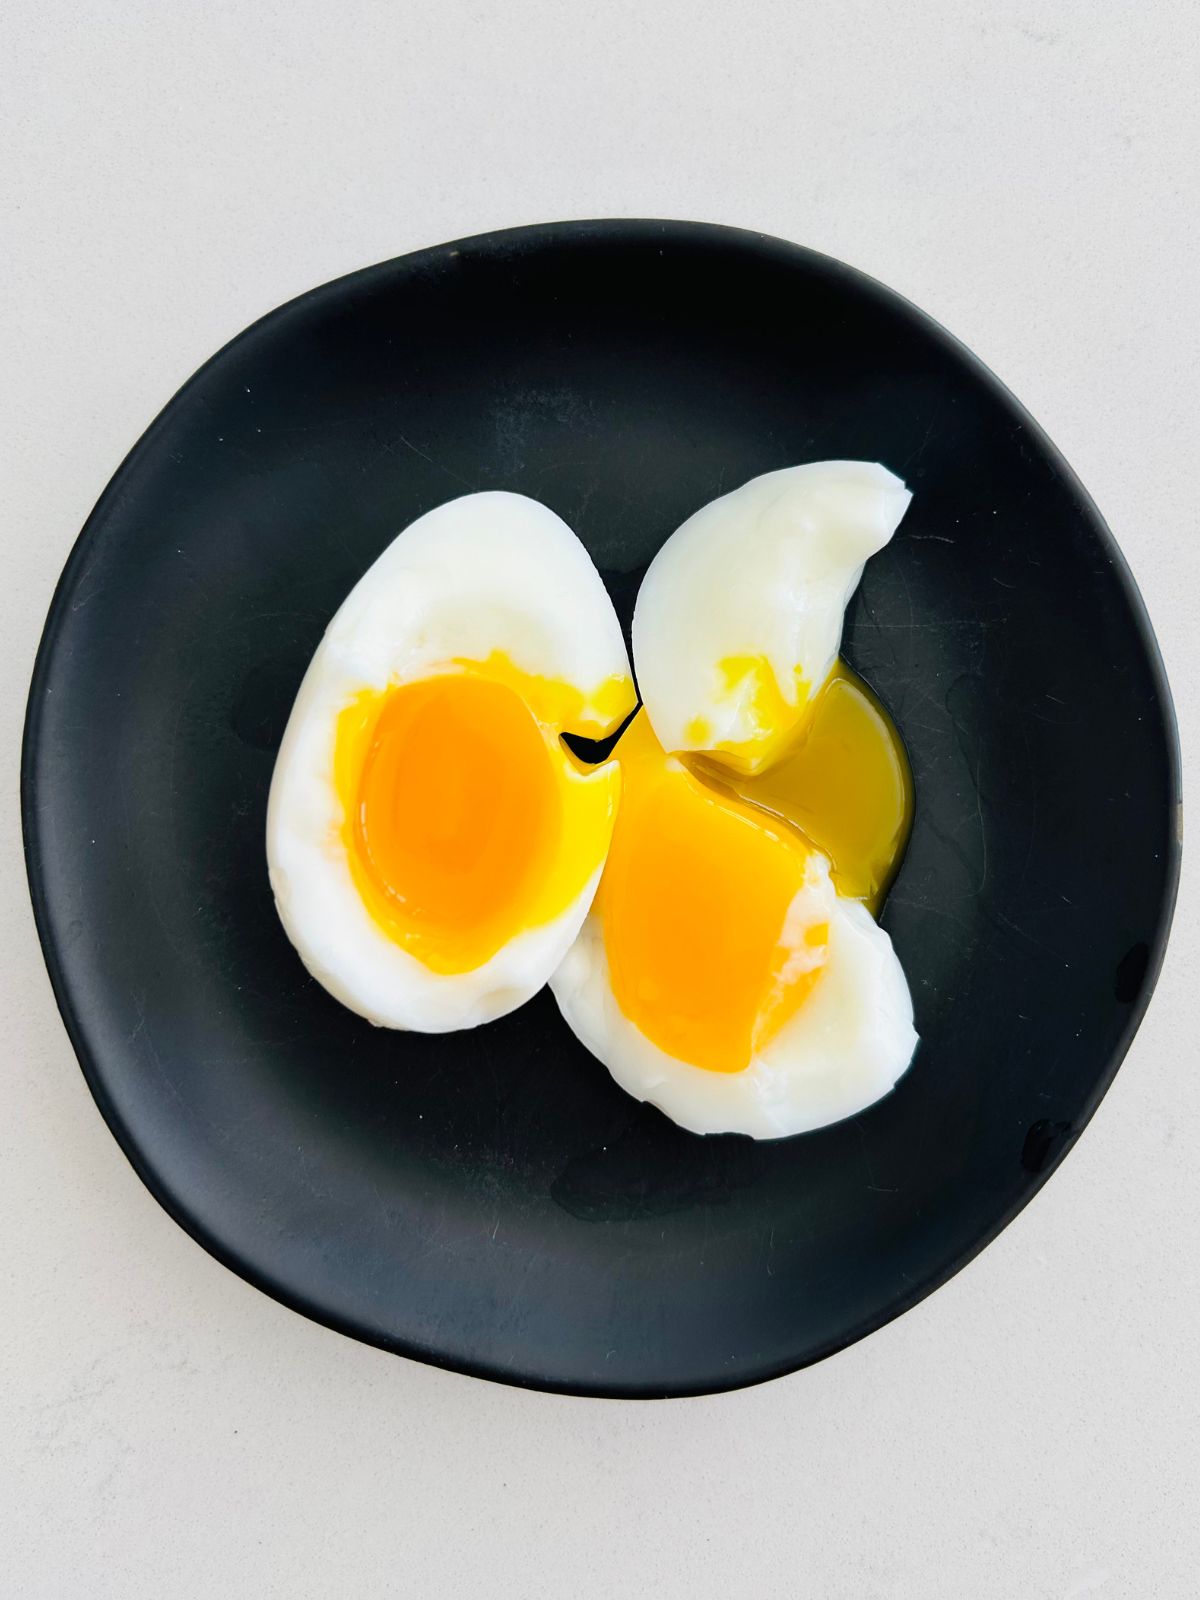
(1027, 174)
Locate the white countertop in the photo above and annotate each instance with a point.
(1027, 174)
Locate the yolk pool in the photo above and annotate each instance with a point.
(844, 782)
(694, 900)
(465, 821)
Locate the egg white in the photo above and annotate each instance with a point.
(844, 1048)
(484, 573)
(764, 571)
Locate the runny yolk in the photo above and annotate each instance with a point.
(844, 782)
(465, 822)
(711, 944)
(695, 897)
(457, 809)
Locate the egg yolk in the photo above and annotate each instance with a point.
(750, 683)
(704, 917)
(696, 900)
(844, 781)
(465, 821)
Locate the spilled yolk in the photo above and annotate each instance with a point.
(844, 782)
(698, 899)
(465, 821)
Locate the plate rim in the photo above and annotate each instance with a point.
(577, 233)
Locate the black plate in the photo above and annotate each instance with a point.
(490, 1201)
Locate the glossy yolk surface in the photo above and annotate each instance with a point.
(465, 821)
(703, 955)
(844, 782)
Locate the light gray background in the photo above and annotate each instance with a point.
(1027, 174)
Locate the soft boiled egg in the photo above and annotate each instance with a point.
(739, 616)
(730, 970)
(433, 847)
(719, 974)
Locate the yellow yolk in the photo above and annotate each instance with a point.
(695, 902)
(465, 821)
(750, 683)
(707, 860)
(845, 783)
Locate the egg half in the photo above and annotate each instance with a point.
(433, 846)
(719, 974)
